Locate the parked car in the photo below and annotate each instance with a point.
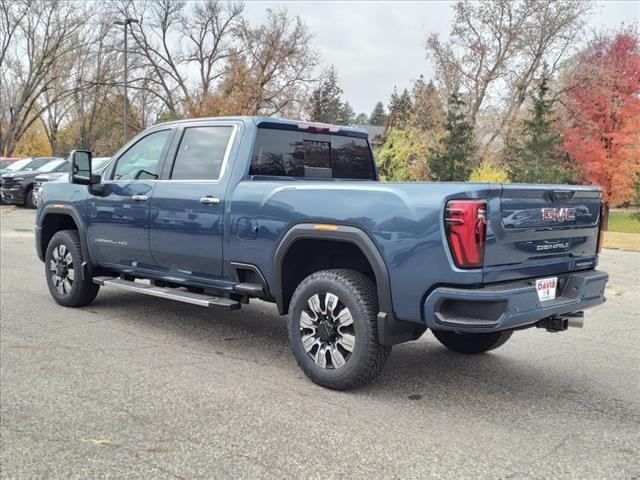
(17, 186)
(61, 176)
(215, 212)
(6, 161)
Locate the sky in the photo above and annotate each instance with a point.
(375, 45)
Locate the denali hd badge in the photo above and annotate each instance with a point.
(558, 214)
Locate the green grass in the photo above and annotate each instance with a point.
(624, 221)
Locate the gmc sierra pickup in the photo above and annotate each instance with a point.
(214, 212)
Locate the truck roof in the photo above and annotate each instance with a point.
(258, 121)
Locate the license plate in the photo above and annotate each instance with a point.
(546, 288)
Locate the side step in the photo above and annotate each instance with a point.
(253, 289)
(199, 299)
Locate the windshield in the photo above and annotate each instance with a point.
(19, 164)
(50, 166)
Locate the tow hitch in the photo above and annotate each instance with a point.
(559, 323)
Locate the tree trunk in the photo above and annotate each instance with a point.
(604, 221)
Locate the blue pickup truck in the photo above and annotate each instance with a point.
(214, 212)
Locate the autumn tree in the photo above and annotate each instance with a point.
(378, 116)
(223, 64)
(496, 50)
(536, 155)
(38, 37)
(454, 158)
(604, 135)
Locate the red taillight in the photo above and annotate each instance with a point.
(466, 224)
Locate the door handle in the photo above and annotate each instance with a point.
(209, 200)
(139, 198)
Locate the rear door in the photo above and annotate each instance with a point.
(187, 208)
(541, 229)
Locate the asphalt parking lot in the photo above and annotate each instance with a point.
(137, 387)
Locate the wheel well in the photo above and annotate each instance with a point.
(311, 255)
(52, 223)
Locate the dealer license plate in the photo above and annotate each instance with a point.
(546, 288)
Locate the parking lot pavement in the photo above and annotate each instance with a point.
(133, 386)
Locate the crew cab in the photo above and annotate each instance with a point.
(216, 212)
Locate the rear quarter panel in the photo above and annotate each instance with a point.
(404, 221)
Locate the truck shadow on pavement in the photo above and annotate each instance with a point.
(419, 373)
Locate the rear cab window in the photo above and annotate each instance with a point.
(291, 153)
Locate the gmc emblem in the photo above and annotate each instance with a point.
(558, 214)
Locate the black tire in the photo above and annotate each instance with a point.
(357, 294)
(78, 292)
(472, 343)
(28, 199)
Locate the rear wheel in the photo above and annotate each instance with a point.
(472, 342)
(333, 329)
(62, 268)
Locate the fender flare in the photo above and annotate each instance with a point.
(70, 211)
(342, 233)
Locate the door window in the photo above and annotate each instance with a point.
(201, 153)
(141, 162)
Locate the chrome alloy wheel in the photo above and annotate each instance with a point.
(61, 267)
(327, 331)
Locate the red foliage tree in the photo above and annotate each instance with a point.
(604, 132)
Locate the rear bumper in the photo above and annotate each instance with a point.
(510, 305)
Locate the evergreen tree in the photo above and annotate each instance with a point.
(453, 160)
(346, 116)
(400, 106)
(537, 157)
(326, 105)
(378, 117)
(361, 119)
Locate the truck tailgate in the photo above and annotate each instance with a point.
(541, 229)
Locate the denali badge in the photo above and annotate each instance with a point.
(558, 214)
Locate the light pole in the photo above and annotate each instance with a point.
(125, 23)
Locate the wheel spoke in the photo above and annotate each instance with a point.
(56, 254)
(321, 357)
(347, 341)
(305, 320)
(330, 301)
(52, 266)
(66, 284)
(337, 359)
(58, 284)
(314, 304)
(308, 341)
(68, 259)
(70, 274)
(344, 318)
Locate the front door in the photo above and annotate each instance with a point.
(118, 217)
(187, 209)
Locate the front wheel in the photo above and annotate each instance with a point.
(62, 268)
(472, 342)
(28, 199)
(333, 329)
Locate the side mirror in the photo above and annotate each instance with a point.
(81, 168)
